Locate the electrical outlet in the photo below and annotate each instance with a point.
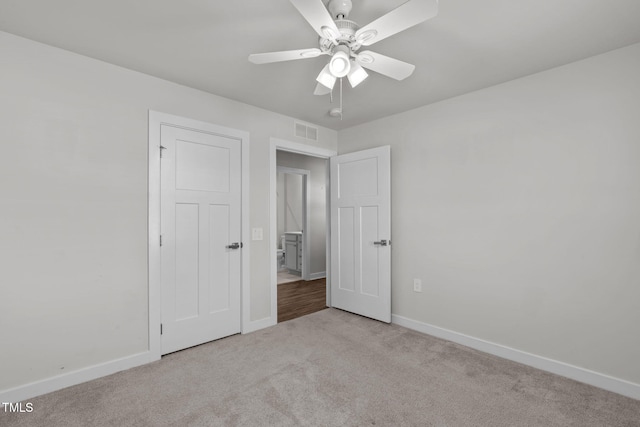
(417, 285)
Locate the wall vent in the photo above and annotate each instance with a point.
(305, 131)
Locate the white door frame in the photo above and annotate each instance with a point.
(307, 150)
(306, 196)
(156, 119)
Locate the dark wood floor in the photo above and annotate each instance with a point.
(300, 298)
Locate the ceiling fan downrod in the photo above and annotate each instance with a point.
(340, 9)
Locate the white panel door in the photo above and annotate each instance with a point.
(361, 233)
(200, 227)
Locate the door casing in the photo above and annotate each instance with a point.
(156, 119)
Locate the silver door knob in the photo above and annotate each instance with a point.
(235, 245)
(381, 243)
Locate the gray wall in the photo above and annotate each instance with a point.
(73, 205)
(318, 204)
(519, 208)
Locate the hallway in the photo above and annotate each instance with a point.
(300, 298)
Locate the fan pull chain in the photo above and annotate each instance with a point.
(340, 98)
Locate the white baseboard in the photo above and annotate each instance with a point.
(37, 388)
(318, 275)
(59, 382)
(586, 376)
(256, 325)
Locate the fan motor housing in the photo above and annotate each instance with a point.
(347, 37)
(347, 28)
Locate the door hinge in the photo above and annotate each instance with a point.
(161, 240)
(160, 328)
(162, 148)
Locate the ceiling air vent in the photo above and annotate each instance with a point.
(305, 131)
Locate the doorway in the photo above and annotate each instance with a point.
(298, 156)
(358, 230)
(302, 233)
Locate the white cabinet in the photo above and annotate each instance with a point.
(293, 251)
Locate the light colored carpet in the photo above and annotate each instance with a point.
(330, 368)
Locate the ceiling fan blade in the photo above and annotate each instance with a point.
(384, 65)
(318, 16)
(404, 16)
(285, 55)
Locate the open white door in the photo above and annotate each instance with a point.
(361, 233)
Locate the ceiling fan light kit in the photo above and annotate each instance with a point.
(322, 90)
(356, 75)
(325, 78)
(341, 39)
(340, 64)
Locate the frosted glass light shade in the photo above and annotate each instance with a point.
(356, 75)
(340, 64)
(321, 90)
(325, 78)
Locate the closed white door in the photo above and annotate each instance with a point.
(201, 237)
(361, 233)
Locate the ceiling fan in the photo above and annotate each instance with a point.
(342, 39)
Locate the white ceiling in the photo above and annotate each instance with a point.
(204, 44)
